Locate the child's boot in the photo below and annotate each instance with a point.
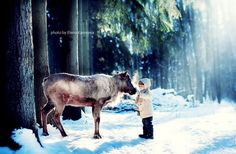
(150, 133)
(144, 135)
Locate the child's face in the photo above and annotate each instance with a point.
(141, 86)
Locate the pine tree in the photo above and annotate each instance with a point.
(40, 39)
(17, 107)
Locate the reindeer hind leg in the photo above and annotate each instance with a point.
(57, 120)
(44, 113)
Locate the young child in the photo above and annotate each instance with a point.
(145, 110)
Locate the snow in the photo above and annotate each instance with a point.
(179, 128)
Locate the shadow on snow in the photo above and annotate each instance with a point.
(106, 147)
(219, 144)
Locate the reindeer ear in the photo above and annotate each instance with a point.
(123, 75)
(126, 73)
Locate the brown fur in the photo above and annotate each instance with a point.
(95, 91)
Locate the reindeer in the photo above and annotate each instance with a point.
(95, 91)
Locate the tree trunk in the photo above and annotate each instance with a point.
(197, 52)
(85, 59)
(18, 66)
(70, 46)
(84, 52)
(71, 39)
(217, 76)
(41, 65)
(184, 24)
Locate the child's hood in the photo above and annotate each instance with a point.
(146, 82)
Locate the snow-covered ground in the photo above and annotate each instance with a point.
(179, 128)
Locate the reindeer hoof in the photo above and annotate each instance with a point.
(97, 136)
(45, 134)
(64, 135)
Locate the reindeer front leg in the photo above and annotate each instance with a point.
(96, 109)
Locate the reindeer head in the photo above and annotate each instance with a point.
(124, 83)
